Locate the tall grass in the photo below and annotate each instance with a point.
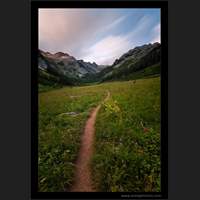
(127, 140)
(127, 157)
(59, 133)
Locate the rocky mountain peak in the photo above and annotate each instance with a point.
(137, 52)
(60, 54)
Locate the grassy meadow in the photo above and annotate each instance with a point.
(127, 140)
(127, 156)
(59, 133)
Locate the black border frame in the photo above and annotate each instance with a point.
(163, 5)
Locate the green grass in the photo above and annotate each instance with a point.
(46, 88)
(148, 72)
(127, 156)
(127, 144)
(59, 134)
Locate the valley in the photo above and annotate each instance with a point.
(59, 69)
(126, 136)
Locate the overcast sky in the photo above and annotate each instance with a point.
(97, 35)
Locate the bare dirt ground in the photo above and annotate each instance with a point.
(82, 179)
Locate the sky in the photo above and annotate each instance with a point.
(97, 35)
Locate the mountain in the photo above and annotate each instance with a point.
(67, 65)
(133, 62)
(63, 69)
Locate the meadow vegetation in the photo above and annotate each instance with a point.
(127, 146)
(59, 133)
(127, 140)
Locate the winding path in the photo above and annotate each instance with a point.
(82, 179)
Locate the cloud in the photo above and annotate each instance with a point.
(95, 35)
(113, 24)
(156, 34)
(107, 49)
(111, 47)
(61, 29)
(71, 29)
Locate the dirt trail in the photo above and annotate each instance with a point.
(82, 180)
